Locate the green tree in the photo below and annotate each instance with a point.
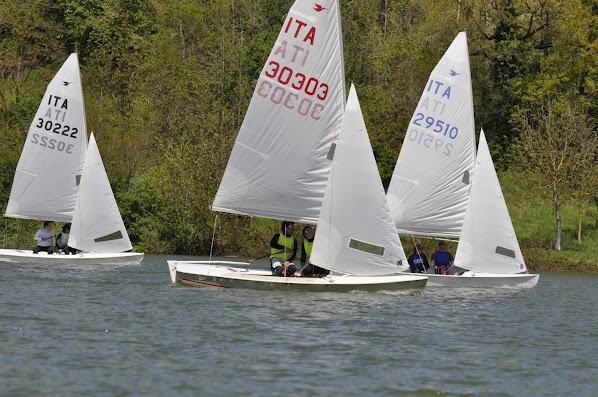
(509, 40)
(556, 144)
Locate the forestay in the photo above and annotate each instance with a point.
(356, 233)
(280, 161)
(46, 178)
(97, 224)
(488, 242)
(429, 188)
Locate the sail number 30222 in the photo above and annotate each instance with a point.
(57, 128)
(51, 143)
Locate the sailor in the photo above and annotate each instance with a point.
(442, 260)
(418, 262)
(44, 238)
(283, 249)
(308, 269)
(62, 240)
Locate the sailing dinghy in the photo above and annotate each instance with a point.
(46, 182)
(488, 249)
(431, 185)
(280, 164)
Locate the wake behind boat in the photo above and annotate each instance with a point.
(46, 186)
(284, 171)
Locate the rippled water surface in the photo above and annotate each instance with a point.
(128, 331)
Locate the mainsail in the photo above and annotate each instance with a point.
(280, 161)
(429, 188)
(46, 178)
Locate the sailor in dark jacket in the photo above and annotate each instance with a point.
(418, 263)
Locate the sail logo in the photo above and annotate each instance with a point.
(66, 83)
(319, 8)
(453, 73)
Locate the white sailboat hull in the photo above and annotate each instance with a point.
(223, 274)
(84, 258)
(472, 279)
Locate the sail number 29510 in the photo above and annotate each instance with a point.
(430, 141)
(436, 125)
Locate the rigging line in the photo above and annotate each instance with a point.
(331, 183)
(420, 257)
(412, 236)
(213, 234)
(5, 226)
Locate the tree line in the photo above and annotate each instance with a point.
(167, 83)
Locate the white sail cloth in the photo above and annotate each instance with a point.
(488, 242)
(429, 188)
(46, 178)
(356, 233)
(280, 161)
(97, 223)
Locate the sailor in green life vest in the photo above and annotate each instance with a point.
(283, 249)
(307, 268)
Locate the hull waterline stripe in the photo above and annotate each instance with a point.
(202, 283)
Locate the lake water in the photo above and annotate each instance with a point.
(128, 331)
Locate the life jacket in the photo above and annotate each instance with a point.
(441, 258)
(286, 253)
(418, 261)
(307, 246)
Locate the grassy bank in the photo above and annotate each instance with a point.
(533, 215)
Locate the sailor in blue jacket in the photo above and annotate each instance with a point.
(442, 260)
(418, 263)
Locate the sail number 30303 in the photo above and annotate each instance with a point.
(293, 90)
